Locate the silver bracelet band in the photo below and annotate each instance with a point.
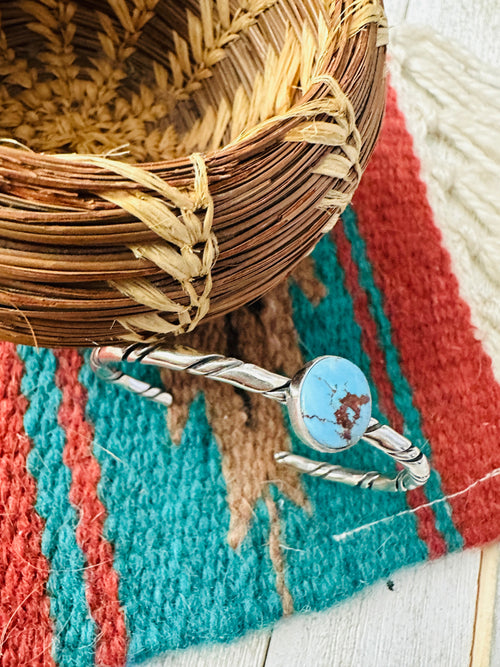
(328, 401)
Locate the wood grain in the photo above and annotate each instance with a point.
(495, 643)
(485, 608)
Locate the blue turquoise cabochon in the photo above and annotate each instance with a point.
(334, 403)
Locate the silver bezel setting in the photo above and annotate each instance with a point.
(295, 412)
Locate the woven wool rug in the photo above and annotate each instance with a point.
(127, 530)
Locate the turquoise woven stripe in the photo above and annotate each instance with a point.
(325, 561)
(74, 635)
(403, 395)
(179, 581)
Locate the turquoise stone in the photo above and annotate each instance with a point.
(335, 402)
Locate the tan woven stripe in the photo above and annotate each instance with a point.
(276, 553)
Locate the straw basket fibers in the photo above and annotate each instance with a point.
(164, 161)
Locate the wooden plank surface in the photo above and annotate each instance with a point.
(436, 615)
(248, 652)
(485, 627)
(495, 644)
(423, 617)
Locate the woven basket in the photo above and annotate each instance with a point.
(161, 162)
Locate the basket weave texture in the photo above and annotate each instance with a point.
(163, 162)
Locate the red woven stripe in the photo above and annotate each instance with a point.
(427, 530)
(25, 625)
(101, 578)
(451, 376)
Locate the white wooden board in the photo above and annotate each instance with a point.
(486, 652)
(248, 652)
(426, 619)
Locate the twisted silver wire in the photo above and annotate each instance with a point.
(224, 369)
(415, 472)
(415, 466)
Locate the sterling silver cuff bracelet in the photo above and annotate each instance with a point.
(328, 401)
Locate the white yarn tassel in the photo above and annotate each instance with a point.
(451, 102)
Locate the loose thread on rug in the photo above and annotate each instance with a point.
(342, 536)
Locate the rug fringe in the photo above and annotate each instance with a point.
(451, 102)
